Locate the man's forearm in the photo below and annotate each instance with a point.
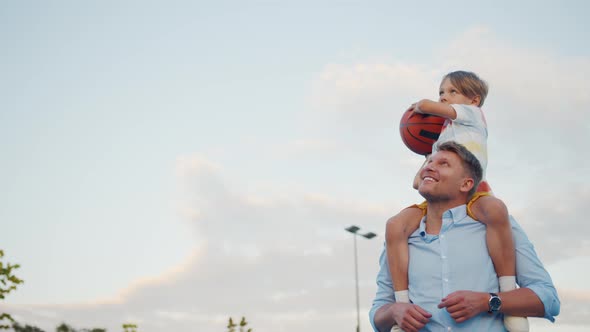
(383, 318)
(522, 302)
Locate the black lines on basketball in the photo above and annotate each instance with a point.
(420, 131)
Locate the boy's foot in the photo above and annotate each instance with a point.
(516, 324)
(402, 296)
(512, 323)
(396, 328)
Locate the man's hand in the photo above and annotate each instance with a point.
(463, 305)
(409, 317)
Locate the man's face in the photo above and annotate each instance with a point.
(443, 177)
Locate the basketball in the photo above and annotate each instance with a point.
(420, 131)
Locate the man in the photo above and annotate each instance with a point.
(453, 284)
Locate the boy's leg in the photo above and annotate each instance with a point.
(398, 229)
(492, 212)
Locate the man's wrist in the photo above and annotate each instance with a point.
(494, 303)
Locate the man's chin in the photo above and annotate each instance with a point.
(430, 196)
(424, 192)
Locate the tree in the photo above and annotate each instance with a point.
(130, 327)
(27, 328)
(8, 283)
(231, 326)
(63, 327)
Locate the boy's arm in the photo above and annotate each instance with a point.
(427, 106)
(417, 179)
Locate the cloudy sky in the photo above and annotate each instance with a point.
(174, 163)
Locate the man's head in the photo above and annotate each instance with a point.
(451, 173)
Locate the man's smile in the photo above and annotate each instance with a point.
(429, 179)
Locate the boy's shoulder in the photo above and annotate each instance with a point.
(466, 107)
(468, 113)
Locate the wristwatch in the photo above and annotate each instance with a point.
(494, 303)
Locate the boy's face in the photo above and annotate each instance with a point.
(449, 94)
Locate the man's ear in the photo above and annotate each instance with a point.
(467, 185)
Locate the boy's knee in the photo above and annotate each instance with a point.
(493, 211)
(394, 225)
(399, 226)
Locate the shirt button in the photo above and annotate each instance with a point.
(446, 280)
(443, 257)
(442, 236)
(449, 328)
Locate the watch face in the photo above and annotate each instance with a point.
(495, 303)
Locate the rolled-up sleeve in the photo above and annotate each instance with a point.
(531, 273)
(385, 292)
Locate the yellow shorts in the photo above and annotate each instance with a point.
(424, 207)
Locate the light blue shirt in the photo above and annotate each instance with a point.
(457, 259)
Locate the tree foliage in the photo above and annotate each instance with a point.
(27, 328)
(63, 327)
(8, 283)
(130, 327)
(231, 326)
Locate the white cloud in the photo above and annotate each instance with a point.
(537, 117)
(282, 258)
(281, 295)
(283, 289)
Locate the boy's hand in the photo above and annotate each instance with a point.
(414, 108)
(418, 106)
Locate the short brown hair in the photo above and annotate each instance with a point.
(469, 84)
(468, 159)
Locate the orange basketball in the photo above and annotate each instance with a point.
(420, 131)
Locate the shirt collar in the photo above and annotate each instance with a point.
(450, 217)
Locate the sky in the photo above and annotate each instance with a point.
(174, 163)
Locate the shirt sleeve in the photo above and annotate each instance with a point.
(466, 115)
(385, 292)
(530, 272)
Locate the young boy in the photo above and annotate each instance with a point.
(461, 95)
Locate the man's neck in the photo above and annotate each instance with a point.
(435, 212)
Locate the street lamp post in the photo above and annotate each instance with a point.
(354, 230)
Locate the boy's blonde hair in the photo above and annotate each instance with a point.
(469, 84)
